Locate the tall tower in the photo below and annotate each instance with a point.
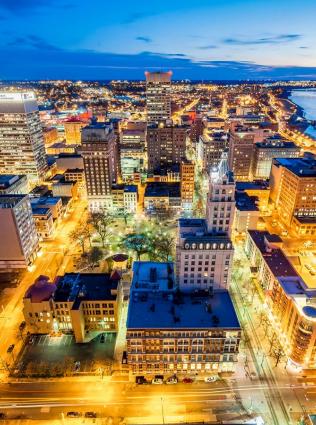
(220, 203)
(158, 87)
(99, 152)
(22, 149)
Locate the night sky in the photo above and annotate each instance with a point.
(198, 39)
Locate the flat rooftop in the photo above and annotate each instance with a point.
(161, 189)
(181, 311)
(245, 202)
(86, 286)
(255, 185)
(151, 275)
(6, 180)
(274, 257)
(9, 201)
(302, 167)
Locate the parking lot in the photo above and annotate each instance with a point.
(56, 356)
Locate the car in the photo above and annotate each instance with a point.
(212, 378)
(22, 326)
(90, 415)
(141, 380)
(158, 380)
(10, 348)
(74, 414)
(102, 339)
(172, 380)
(32, 340)
(187, 380)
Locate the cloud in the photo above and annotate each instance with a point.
(32, 41)
(44, 61)
(276, 39)
(144, 39)
(21, 6)
(208, 47)
(135, 17)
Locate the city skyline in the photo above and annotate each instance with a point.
(232, 40)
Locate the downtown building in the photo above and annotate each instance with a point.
(266, 151)
(293, 192)
(290, 301)
(241, 149)
(170, 332)
(166, 145)
(158, 96)
(133, 153)
(100, 160)
(204, 251)
(210, 148)
(18, 234)
(84, 304)
(22, 149)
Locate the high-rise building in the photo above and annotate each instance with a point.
(293, 191)
(18, 233)
(99, 152)
(158, 100)
(187, 183)
(73, 127)
(166, 145)
(241, 148)
(210, 147)
(133, 155)
(264, 152)
(220, 204)
(204, 251)
(22, 149)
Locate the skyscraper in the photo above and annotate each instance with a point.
(204, 251)
(99, 152)
(158, 87)
(166, 145)
(22, 149)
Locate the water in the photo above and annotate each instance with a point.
(306, 99)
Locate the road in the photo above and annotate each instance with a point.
(54, 259)
(157, 403)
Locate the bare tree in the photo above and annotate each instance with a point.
(78, 236)
(101, 222)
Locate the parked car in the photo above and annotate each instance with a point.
(172, 380)
(90, 415)
(74, 414)
(187, 380)
(10, 348)
(141, 380)
(158, 380)
(212, 378)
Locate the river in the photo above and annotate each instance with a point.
(306, 99)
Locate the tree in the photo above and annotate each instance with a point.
(94, 256)
(124, 214)
(164, 244)
(78, 236)
(101, 222)
(137, 242)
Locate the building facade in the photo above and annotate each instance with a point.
(158, 98)
(22, 149)
(173, 333)
(99, 152)
(18, 231)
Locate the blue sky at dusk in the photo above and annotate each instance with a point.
(197, 39)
